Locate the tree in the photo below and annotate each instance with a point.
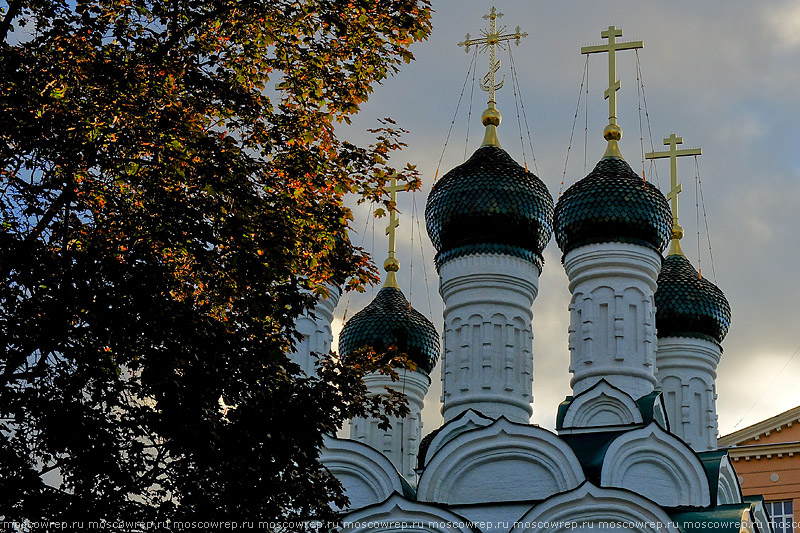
(172, 199)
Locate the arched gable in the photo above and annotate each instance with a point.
(589, 508)
(367, 476)
(398, 514)
(600, 406)
(466, 421)
(501, 462)
(660, 413)
(728, 488)
(758, 516)
(722, 478)
(651, 462)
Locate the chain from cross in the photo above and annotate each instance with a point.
(492, 39)
(392, 265)
(673, 154)
(612, 47)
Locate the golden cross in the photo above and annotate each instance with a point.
(612, 47)
(492, 39)
(392, 265)
(673, 154)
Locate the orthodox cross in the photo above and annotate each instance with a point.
(492, 39)
(673, 154)
(612, 47)
(392, 265)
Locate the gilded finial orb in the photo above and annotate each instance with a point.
(675, 243)
(391, 264)
(491, 116)
(612, 132)
(491, 119)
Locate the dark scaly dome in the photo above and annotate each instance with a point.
(688, 305)
(390, 321)
(612, 204)
(489, 204)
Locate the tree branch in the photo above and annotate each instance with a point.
(170, 43)
(13, 10)
(49, 469)
(16, 361)
(48, 217)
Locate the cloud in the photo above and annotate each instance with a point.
(784, 21)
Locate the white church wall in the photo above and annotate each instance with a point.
(400, 443)
(367, 476)
(488, 338)
(687, 373)
(503, 462)
(651, 462)
(316, 332)
(612, 316)
(467, 421)
(591, 509)
(398, 514)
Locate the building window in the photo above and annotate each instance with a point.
(782, 516)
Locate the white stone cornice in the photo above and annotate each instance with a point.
(506, 262)
(500, 282)
(635, 374)
(679, 351)
(764, 451)
(501, 272)
(618, 259)
(413, 384)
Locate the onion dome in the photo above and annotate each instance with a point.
(688, 305)
(612, 204)
(491, 205)
(389, 321)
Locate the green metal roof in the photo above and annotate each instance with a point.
(562, 411)
(711, 464)
(647, 406)
(590, 449)
(721, 518)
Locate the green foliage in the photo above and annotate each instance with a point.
(172, 199)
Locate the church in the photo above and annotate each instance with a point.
(635, 446)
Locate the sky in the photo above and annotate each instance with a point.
(723, 75)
